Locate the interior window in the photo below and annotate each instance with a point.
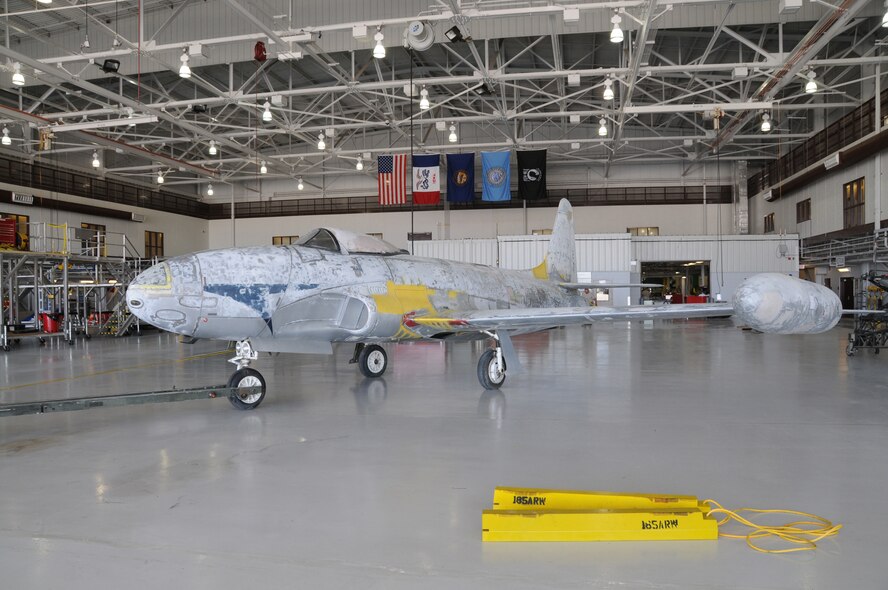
(321, 239)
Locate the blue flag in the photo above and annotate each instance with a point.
(496, 171)
(460, 178)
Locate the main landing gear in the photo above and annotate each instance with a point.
(492, 365)
(371, 359)
(249, 384)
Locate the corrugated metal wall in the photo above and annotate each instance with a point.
(609, 256)
(595, 252)
(743, 254)
(478, 251)
(614, 252)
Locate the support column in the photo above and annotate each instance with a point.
(877, 202)
(741, 199)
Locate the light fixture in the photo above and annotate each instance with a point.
(453, 138)
(266, 114)
(811, 86)
(209, 190)
(617, 32)
(608, 89)
(184, 70)
(453, 34)
(766, 123)
(602, 130)
(110, 66)
(424, 99)
(300, 186)
(85, 45)
(321, 143)
(45, 1)
(160, 177)
(263, 169)
(360, 164)
(213, 149)
(17, 77)
(96, 163)
(885, 18)
(6, 139)
(379, 49)
(844, 269)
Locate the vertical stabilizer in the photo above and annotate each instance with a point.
(561, 260)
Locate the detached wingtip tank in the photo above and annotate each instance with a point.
(781, 304)
(334, 286)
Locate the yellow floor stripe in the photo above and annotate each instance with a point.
(111, 371)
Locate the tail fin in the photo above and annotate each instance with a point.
(561, 260)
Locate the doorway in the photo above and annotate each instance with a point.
(846, 292)
(682, 281)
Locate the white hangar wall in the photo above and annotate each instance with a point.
(731, 258)
(478, 223)
(618, 257)
(181, 234)
(827, 212)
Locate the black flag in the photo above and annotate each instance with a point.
(532, 174)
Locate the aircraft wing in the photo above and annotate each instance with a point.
(540, 318)
(605, 285)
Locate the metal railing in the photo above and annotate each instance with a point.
(851, 127)
(51, 238)
(839, 252)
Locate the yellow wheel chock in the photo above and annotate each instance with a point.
(525, 514)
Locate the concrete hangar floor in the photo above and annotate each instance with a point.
(337, 482)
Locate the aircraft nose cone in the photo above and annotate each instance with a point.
(168, 295)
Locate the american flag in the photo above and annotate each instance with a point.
(392, 179)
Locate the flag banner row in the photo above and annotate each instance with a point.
(426, 173)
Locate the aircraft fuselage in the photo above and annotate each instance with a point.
(301, 299)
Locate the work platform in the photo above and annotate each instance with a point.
(71, 277)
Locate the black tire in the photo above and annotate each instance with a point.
(372, 361)
(488, 376)
(246, 378)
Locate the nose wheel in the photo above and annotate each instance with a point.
(247, 389)
(247, 385)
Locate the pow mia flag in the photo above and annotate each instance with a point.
(532, 174)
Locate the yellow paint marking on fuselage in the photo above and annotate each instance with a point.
(401, 299)
(168, 281)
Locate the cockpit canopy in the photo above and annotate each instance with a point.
(346, 242)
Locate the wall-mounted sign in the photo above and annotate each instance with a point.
(22, 199)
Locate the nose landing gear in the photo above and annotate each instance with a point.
(248, 384)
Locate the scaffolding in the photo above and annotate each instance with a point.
(68, 283)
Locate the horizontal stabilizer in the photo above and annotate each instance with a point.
(606, 285)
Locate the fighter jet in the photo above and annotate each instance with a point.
(334, 286)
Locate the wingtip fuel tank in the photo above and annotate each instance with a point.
(780, 304)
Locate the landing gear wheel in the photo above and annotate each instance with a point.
(490, 374)
(246, 378)
(849, 350)
(372, 361)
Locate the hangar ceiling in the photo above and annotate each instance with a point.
(691, 81)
